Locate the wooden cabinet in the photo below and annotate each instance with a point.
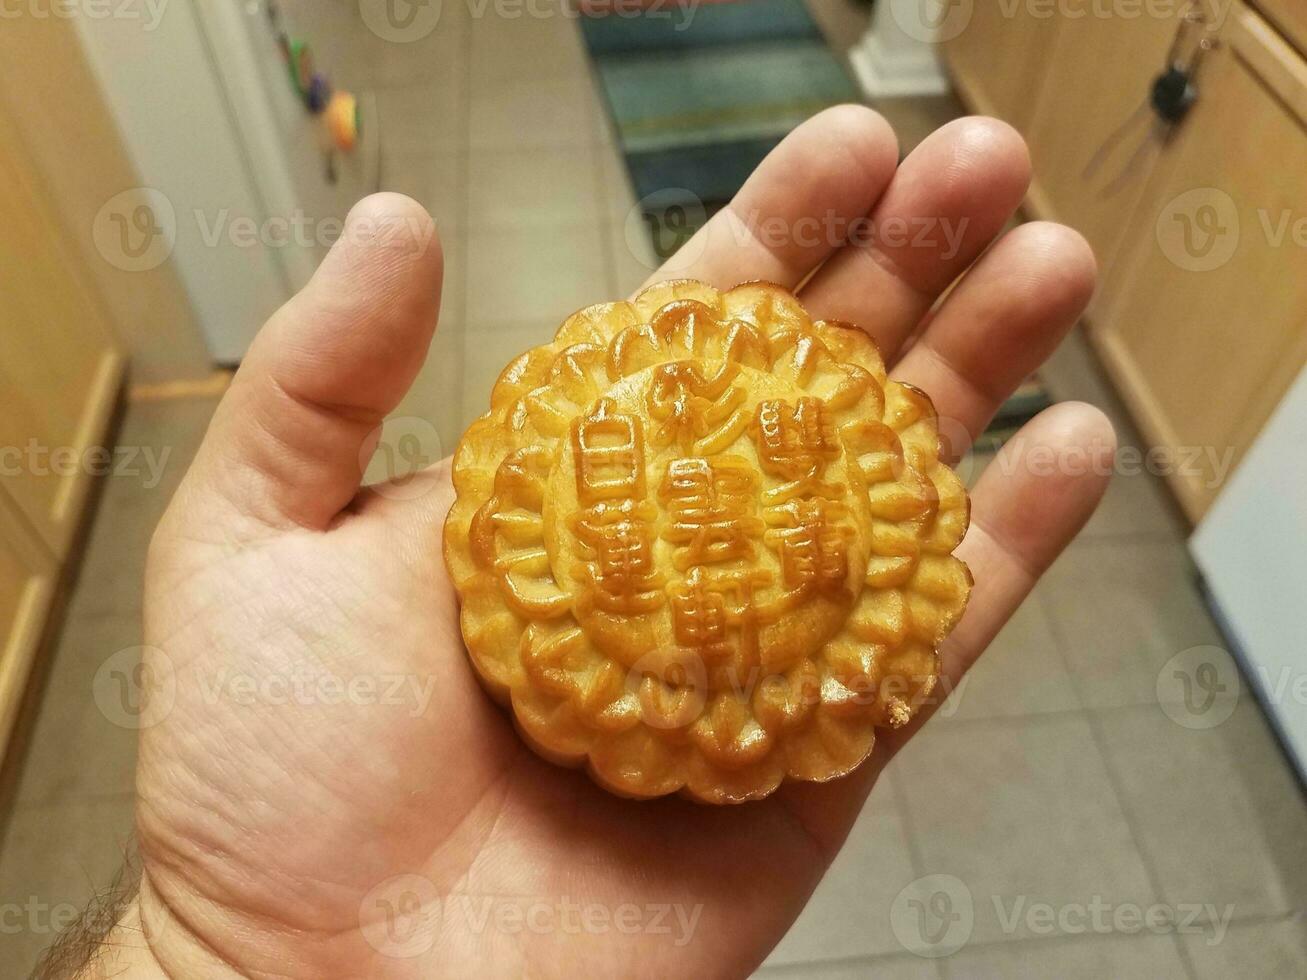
(60, 373)
(1205, 324)
(1200, 228)
(1096, 138)
(59, 367)
(1016, 36)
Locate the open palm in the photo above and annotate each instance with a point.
(326, 791)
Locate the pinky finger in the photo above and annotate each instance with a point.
(1029, 504)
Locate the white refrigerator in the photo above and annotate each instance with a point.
(206, 105)
(1252, 550)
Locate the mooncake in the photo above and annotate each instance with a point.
(704, 545)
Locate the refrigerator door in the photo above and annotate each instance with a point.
(176, 124)
(306, 185)
(235, 166)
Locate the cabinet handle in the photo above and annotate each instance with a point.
(1173, 92)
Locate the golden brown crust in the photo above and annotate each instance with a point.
(704, 545)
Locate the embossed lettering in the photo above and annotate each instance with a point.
(794, 443)
(621, 574)
(698, 413)
(712, 509)
(708, 605)
(609, 448)
(812, 544)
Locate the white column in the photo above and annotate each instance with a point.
(896, 57)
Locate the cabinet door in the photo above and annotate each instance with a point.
(27, 581)
(59, 368)
(1204, 331)
(1094, 139)
(999, 57)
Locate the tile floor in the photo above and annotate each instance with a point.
(1053, 779)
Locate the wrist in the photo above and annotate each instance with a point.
(148, 942)
(122, 952)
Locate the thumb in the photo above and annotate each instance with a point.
(288, 442)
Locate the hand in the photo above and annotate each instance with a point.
(294, 839)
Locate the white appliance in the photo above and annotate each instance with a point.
(205, 103)
(1252, 549)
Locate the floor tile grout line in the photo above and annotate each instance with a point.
(1118, 789)
(916, 857)
(1132, 824)
(1061, 641)
(990, 944)
(77, 799)
(1055, 938)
